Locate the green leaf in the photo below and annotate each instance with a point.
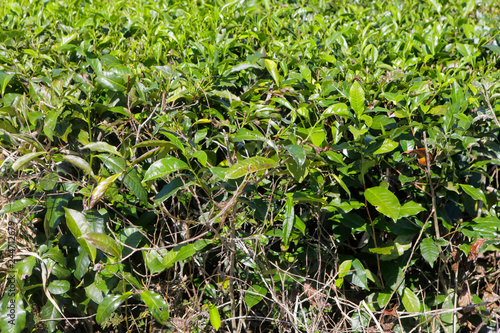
(13, 314)
(383, 299)
(410, 208)
(273, 70)
(109, 305)
(103, 147)
(4, 81)
(393, 249)
(240, 67)
(440, 110)
(343, 270)
(184, 252)
(387, 146)
(164, 167)
(252, 164)
(410, 301)
(111, 81)
(50, 312)
(339, 109)
(79, 162)
(254, 295)
(101, 188)
(491, 47)
(132, 180)
(79, 226)
(59, 287)
(298, 173)
(157, 306)
(357, 99)
(474, 192)
(170, 189)
(429, 250)
(104, 243)
(358, 277)
(21, 161)
(298, 154)
(17, 205)
(82, 263)
(384, 201)
(55, 211)
(214, 316)
(157, 143)
(154, 259)
(288, 220)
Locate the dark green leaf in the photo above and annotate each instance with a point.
(109, 305)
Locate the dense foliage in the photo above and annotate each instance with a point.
(248, 166)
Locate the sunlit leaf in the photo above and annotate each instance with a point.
(254, 295)
(101, 188)
(214, 316)
(273, 70)
(249, 165)
(288, 221)
(157, 306)
(21, 161)
(357, 99)
(103, 147)
(298, 154)
(104, 243)
(410, 301)
(164, 167)
(78, 225)
(384, 201)
(109, 305)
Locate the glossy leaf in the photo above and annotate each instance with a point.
(249, 165)
(384, 201)
(50, 313)
(357, 99)
(157, 306)
(17, 205)
(109, 305)
(104, 243)
(21, 161)
(343, 270)
(111, 81)
(13, 313)
(289, 220)
(78, 225)
(101, 189)
(387, 147)
(410, 208)
(58, 287)
(79, 162)
(4, 81)
(474, 192)
(170, 189)
(132, 180)
(298, 154)
(339, 109)
(164, 167)
(102, 147)
(273, 70)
